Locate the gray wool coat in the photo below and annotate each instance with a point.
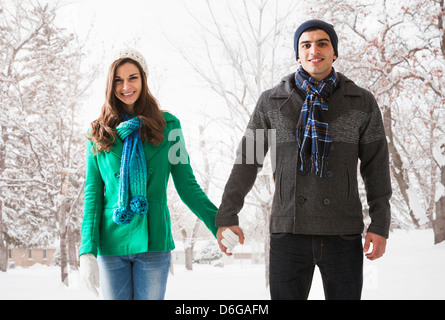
(304, 203)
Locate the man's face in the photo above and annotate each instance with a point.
(316, 53)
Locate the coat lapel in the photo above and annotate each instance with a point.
(339, 101)
(337, 105)
(291, 101)
(117, 148)
(151, 150)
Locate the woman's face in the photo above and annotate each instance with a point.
(128, 85)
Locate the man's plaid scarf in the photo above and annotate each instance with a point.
(312, 129)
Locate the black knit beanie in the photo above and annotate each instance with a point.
(328, 28)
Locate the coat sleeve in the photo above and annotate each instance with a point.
(249, 161)
(93, 204)
(185, 182)
(374, 168)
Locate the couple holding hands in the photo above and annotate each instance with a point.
(323, 125)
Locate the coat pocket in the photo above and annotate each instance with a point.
(285, 180)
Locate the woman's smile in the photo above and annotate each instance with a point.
(128, 95)
(128, 85)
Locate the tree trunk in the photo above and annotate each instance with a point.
(188, 251)
(63, 246)
(72, 253)
(397, 167)
(439, 226)
(439, 222)
(189, 247)
(3, 245)
(63, 260)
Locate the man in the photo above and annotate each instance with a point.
(324, 124)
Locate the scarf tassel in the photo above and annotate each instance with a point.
(138, 205)
(316, 166)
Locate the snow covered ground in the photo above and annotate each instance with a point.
(412, 268)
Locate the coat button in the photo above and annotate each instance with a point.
(116, 175)
(301, 199)
(150, 170)
(329, 174)
(326, 201)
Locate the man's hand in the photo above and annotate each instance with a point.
(236, 230)
(378, 246)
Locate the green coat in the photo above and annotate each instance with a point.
(151, 232)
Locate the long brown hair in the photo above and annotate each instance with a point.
(103, 130)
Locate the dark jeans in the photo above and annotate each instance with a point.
(293, 258)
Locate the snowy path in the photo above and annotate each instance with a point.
(412, 268)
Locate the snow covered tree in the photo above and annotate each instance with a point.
(188, 224)
(439, 221)
(44, 84)
(395, 50)
(238, 64)
(209, 253)
(428, 67)
(18, 28)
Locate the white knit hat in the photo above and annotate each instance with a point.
(132, 54)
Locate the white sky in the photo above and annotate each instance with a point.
(148, 25)
(141, 24)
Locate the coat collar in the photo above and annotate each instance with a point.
(293, 100)
(149, 149)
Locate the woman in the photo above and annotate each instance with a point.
(132, 149)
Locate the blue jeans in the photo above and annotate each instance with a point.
(140, 276)
(293, 258)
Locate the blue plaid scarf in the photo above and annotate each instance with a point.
(312, 129)
(133, 173)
